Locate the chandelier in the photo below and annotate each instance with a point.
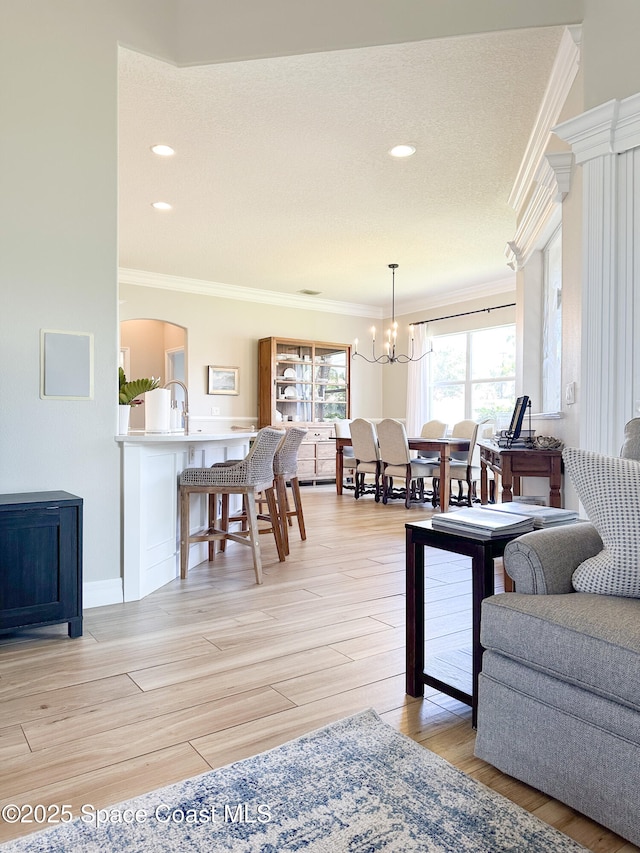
(390, 356)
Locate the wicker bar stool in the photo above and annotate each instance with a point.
(285, 468)
(248, 477)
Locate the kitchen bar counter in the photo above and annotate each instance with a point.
(150, 469)
(140, 437)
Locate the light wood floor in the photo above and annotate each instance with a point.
(214, 668)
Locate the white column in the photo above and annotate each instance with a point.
(606, 141)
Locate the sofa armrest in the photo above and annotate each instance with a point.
(542, 562)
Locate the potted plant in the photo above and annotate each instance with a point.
(128, 394)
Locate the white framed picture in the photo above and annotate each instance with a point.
(223, 380)
(66, 365)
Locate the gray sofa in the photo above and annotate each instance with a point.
(559, 692)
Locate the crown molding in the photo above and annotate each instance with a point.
(563, 73)
(142, 278)
(610, 128)
(463, 294)
(552, 183)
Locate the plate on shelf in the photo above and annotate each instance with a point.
(290, 392)
(289, 373)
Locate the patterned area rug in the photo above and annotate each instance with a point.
(356, 786)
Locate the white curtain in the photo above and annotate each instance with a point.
(418, 383)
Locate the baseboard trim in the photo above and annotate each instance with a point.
(101, 593)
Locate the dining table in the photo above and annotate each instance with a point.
(436, 447)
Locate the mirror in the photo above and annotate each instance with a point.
(153, 348)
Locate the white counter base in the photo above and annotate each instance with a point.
(150, 470)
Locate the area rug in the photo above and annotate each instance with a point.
(356, 786)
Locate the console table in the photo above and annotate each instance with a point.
(513, 463)
(482, 550)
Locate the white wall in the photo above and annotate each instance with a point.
(58, 258)
(226, 332)
(611, 57)
(227, 30)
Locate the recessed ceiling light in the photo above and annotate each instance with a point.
(310, 292)
(161, 205)
(402, 150)
(163, 150)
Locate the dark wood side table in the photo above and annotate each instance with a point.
(515, 462)
(482, 550)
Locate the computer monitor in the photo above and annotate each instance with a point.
(517, 417)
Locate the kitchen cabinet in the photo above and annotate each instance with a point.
(40, 560)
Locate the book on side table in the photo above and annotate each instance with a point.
(543, 516)
(482, 522)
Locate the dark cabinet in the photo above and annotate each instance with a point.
(41, 560)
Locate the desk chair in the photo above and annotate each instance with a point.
(366, 452)
(247, 477)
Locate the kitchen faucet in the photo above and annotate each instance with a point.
(186, 401)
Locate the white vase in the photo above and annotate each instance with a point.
(124, 413)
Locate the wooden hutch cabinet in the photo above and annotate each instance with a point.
(306, 384)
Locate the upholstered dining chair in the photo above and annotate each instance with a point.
(432, 429)
(461, 467)
(247, 477)
(396, 461)
(366, 452)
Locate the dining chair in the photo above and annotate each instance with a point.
(461, 466)
(396, 461)
(366, 452)
(247, 477)
(432, 429)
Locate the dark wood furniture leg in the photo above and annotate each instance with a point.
(339, 468)
(555, 482)
(482, 586)
(507, 480)
(415, 616)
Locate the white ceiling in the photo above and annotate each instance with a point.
(282, 181)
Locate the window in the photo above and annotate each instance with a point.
(552, 325)
(473, 375)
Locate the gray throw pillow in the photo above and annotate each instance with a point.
(609, 489)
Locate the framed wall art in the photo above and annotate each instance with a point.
(222, 380)
(66, 365)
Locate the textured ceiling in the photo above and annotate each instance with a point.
(282, 181)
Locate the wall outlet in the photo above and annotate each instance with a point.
(215, 410)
